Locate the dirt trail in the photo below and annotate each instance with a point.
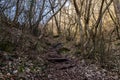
(26, 63)
(64, 68)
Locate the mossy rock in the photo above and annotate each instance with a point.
(7, 46)
(40, 47)
(118, 44)
(78, 52)
(1, 29)
(48, 43)
(63, 50)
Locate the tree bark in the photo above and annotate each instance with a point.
(116, 4)
(117, 9)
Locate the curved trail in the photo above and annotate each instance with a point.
(64, 68)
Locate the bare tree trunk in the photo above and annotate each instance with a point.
(42, 30)
(79, 20)
(117, 11)
(117, 8)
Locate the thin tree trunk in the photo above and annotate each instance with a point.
(117, 11)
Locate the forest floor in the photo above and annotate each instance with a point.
(20, 59)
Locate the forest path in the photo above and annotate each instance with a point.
(62, 67)
(52, 62)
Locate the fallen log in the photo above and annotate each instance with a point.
(57, 59)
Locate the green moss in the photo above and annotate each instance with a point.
(7, 46)
(118, 44)
(78, 53)
(40, 47)
(63, 50)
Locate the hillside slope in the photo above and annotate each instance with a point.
(23, 56)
